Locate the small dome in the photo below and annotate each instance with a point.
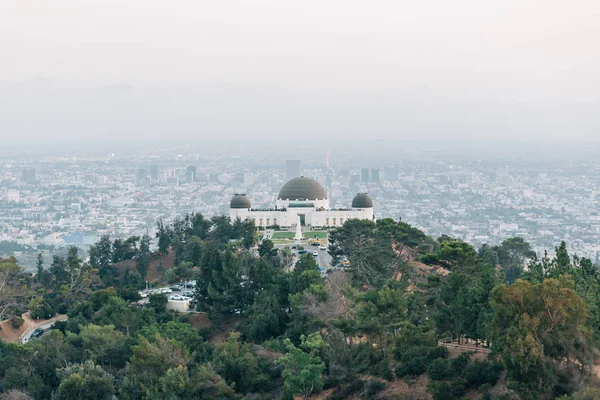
(362, 200)
(240, 201)
(302, 189)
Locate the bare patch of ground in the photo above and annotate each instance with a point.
(8, 334)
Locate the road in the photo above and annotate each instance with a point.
(26, 336)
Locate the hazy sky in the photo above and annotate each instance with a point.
(193, 69)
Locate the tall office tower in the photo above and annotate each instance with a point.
(375, 175)
(154, 172)
(364, 175)
(29, 176)
(190, 174)
(293, 169)
(142, 175)
(390, 174)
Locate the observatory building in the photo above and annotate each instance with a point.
(302, 198)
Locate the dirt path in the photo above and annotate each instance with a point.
(10, 335)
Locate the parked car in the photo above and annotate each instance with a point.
(321, 247)
(166, 290)
(315, 253)
(176, 288)
(177, 297)
(187, 293)
(302, 252)
(143, 294)
(37, 333)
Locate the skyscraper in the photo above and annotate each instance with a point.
(154, 172)
(364, 175)
(375, 175)
(141, 175)
(190, 174)
(293, 169)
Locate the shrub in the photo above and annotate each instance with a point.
(400, 371)
(437, 352)
(484, 388)
(458, 364)
(373, 387)
(438, 369)
(440, 390)
(356, 386)
(17, 322)
(479, 373)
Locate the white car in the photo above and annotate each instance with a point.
(143, 295)
(177, 297)
(321, 247)
(316, 253)
(165, 291)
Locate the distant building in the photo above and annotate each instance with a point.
(354, 179)
(154, 172)
(29, 176)
(364, 175)
(293, 169)
(13, 196)
(214, 178)
(142, 174)
(190, 174)
(301, 200)
(375, 175)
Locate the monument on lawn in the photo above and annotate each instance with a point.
(298, 235)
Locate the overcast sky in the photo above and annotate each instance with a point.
(194, 69)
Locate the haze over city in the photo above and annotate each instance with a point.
(113, 71)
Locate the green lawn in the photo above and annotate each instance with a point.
(283, 235)
(315, 235)
(306, 235)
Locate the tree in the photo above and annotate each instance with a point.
(194, 247)
(206, 384)
(369, 248)
(159, 302)
(142, 258)
(102, 343)
(539, 331)
(513, 255)
(11, 296)
(562, 262)
(265, 248)
(302, 371)
(266, 318)
(101, 256)
(164, 234)
(77, 273)
(146, 373)
(40, 268)
(85, 381)
(183, 333)
(234, 361)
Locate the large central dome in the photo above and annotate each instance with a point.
(302, 189)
